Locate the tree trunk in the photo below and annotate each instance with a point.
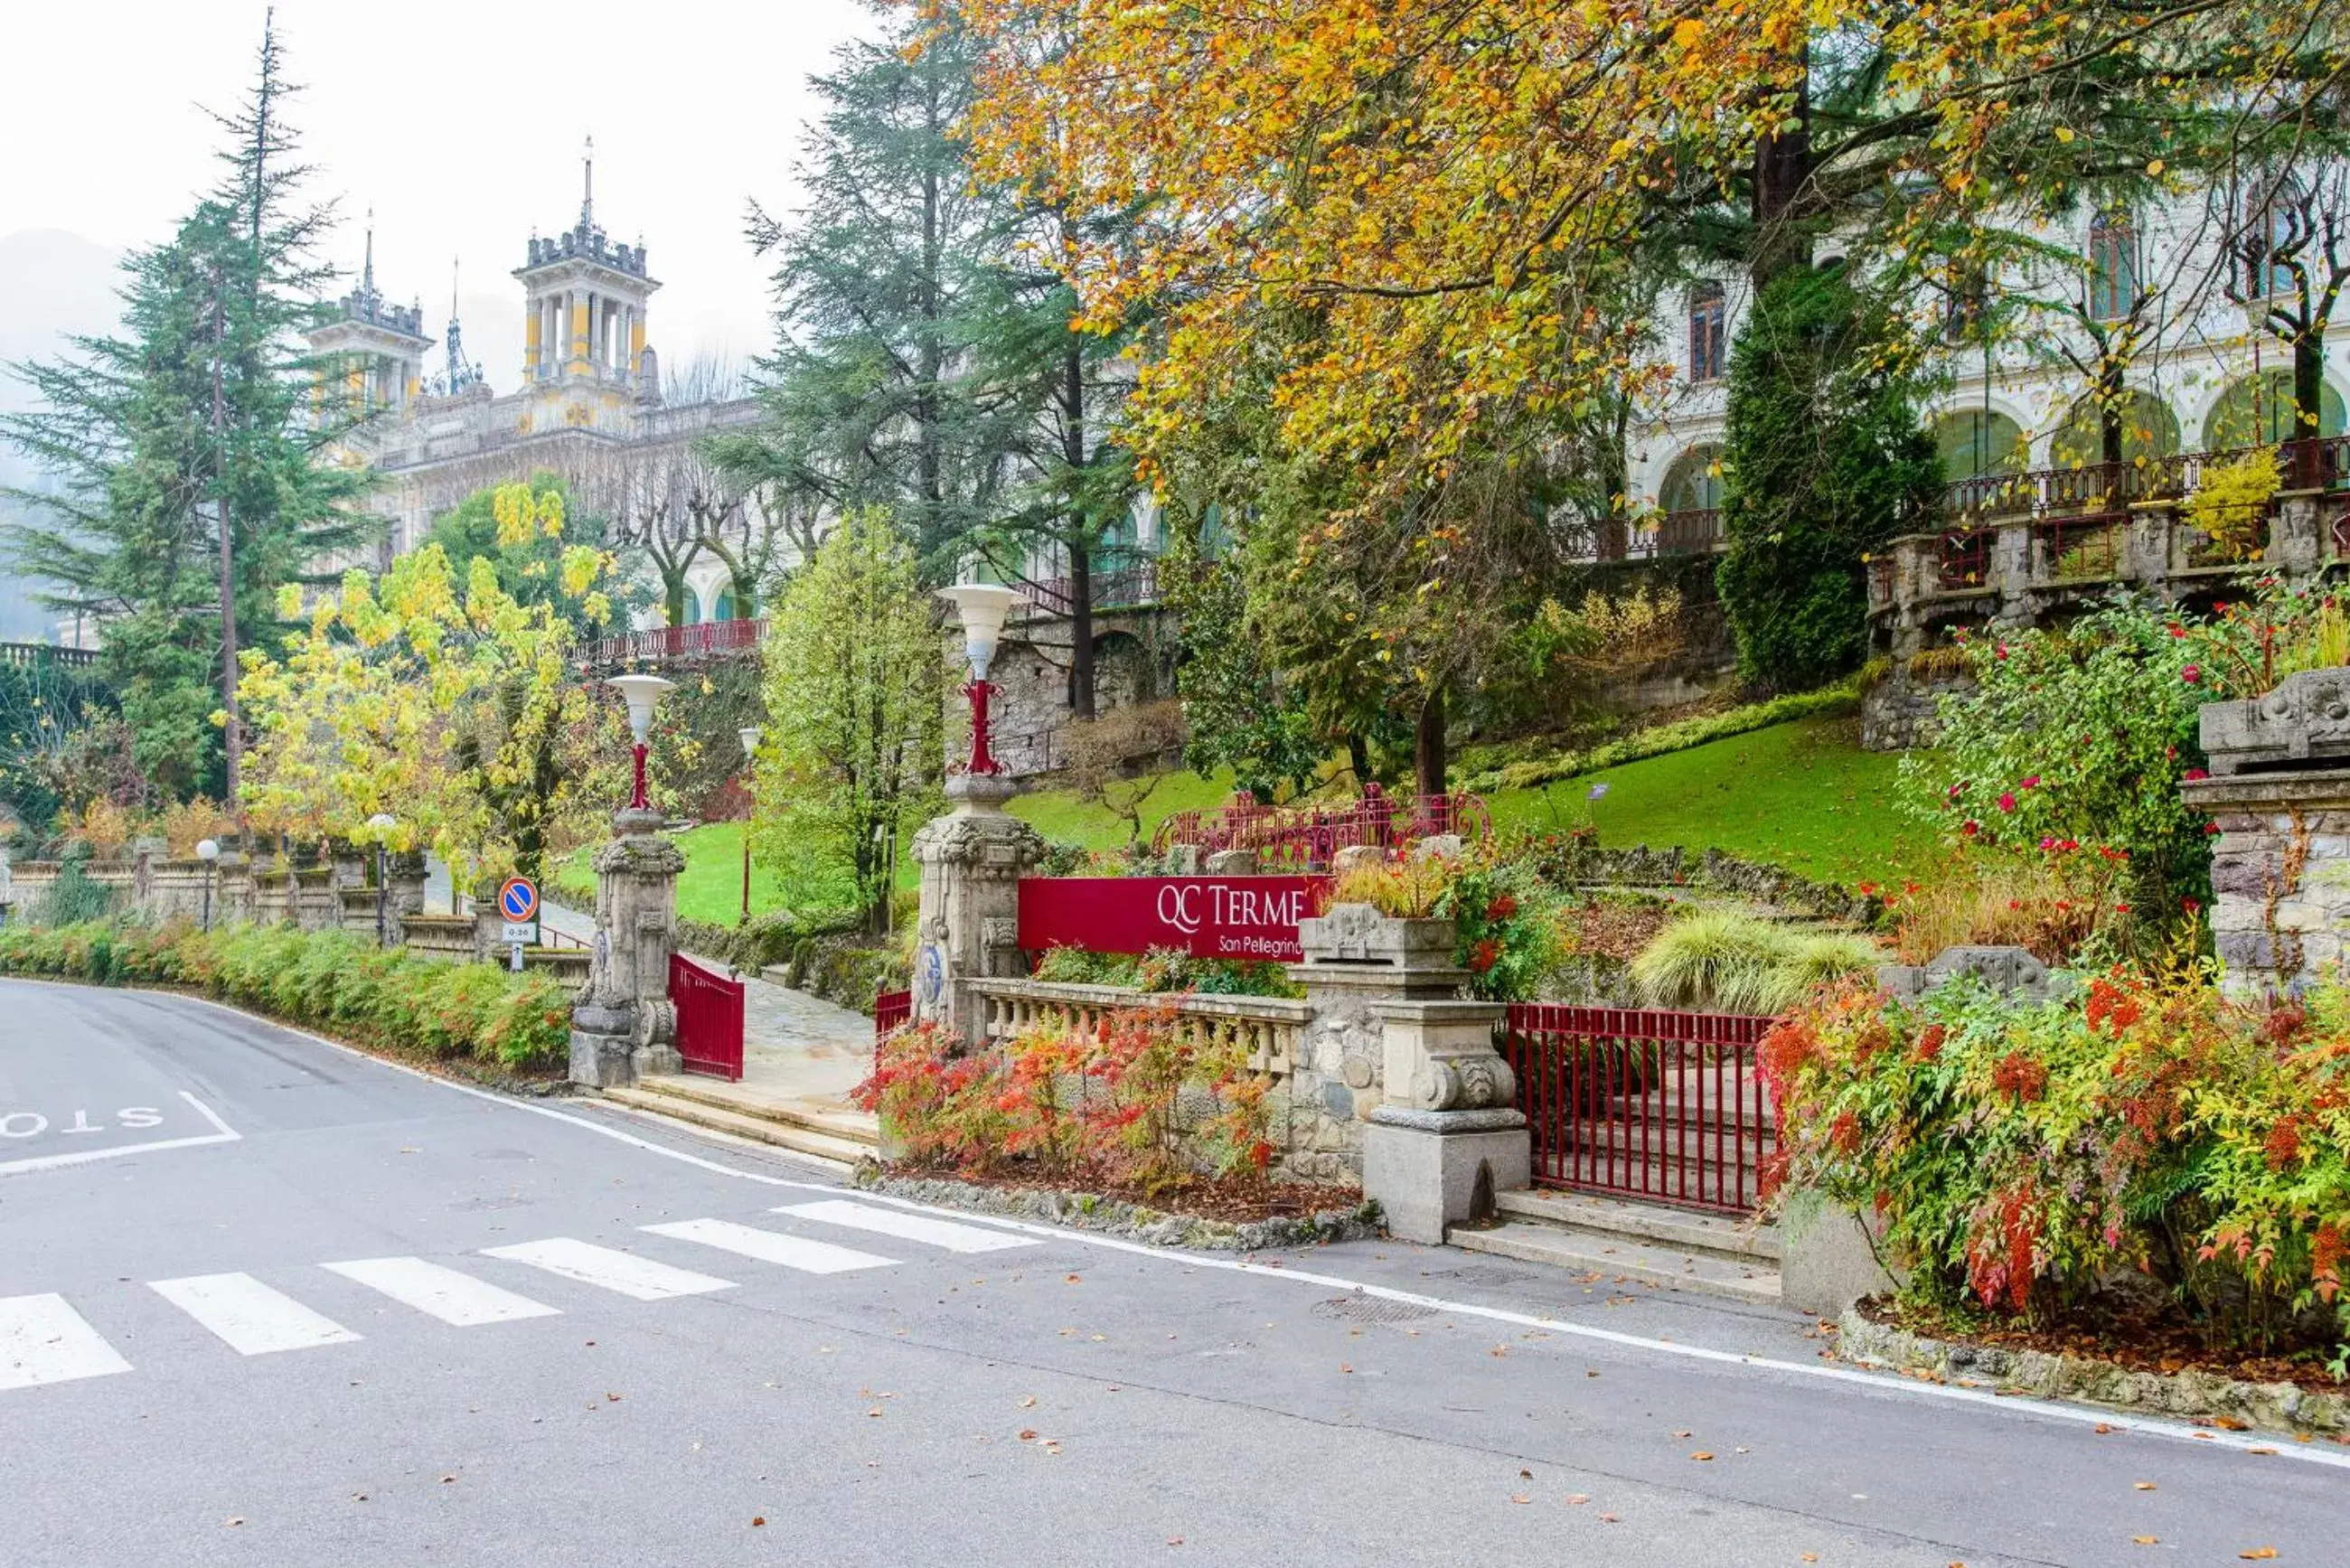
(673, 594)
(1358, 758)
(1783, 167)
(1427, 758)
(1081, 632)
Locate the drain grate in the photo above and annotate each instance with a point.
(1484, 1275)
(1371, 1309)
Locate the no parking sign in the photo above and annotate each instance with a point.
(518, 903)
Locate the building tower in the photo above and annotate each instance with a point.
(375, 351)
(584, 316)
(462, 376)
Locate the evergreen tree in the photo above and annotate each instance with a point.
(186, 490)
(1823, 461)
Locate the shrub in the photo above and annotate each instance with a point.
(1409, 888)
(1735, 962)
(328, 981)
(2022, 1154)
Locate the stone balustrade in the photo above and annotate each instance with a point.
(1271, 1026)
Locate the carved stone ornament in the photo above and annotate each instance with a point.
(1463, 1083)
(997, 932)
(2306, 717)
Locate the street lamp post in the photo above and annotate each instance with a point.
(749, 736)
(383, 824)
(640, 693)
(983, 608)
(208, 852)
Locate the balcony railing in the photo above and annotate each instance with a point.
(672, 644)
(1129, 587)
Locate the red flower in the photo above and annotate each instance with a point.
(1502, 908)
(2047, 844)
(1970, 827)
(2007, 800)
(2121, 908)
(2196, 773)
(1930, 1044)
(2211, 828)
(1485, 955)
(2019, 1076)
(2002, 650)
(2176, 630)
(2191, 674)
(2191, 905)
(2032, 783)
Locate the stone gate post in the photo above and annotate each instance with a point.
(622, 1026)
(967, 928)
(1446, 1134)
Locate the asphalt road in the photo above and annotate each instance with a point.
(265, 1301)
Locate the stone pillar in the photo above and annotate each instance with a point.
(1444, 1134)
(2011, 567)
(2151, 526)
(404, 877)
(2297, 538)
(623, 1026)
(969, 925)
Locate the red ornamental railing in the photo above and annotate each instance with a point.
(1964, 560)
(1124, 588)
(663, 644)
(708, 1018)
(1666, 1106)
(892, 1009)
(1306, 838)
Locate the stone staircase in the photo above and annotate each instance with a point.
(1646, 1244)
(825, 1131)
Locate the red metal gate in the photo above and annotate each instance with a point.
(890, 1009)
(708, 1018)
(1667, 1106)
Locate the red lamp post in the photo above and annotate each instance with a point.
(641, 692)
(982, 608)
(749, 736)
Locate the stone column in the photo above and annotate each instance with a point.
(622, 1026)
(404, 893)
(2279, 795)
(969, 925)
(2297, 538)
(1445, 1133)
(2151, 525)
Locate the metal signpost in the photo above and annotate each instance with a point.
(518, 903)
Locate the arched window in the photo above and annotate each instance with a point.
(1693, 484)
(2149, 430)
(724, 608)
(2259, 410)
(2272, 237)
(2113, 256)
(1977, 443)
(693, 608)
(1706, 311)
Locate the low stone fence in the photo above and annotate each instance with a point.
(1271, 1025)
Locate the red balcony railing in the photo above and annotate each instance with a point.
(668, 644)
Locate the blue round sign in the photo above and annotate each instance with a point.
(517, 899)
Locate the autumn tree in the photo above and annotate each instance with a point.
(442, 701)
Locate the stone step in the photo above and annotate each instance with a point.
(782, 1135)
(853, 1126)
(1684, 1230)
(1610, 1259)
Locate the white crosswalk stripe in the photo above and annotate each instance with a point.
(772, 1247)
(945, 1233)
(625, 1272)
(44, 1340)
(253, 1319)
(442, 1292)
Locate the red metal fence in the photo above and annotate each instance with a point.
(890, 1009)
(708, 1018)
(1129, 588)
(1667, 1106)
(1304, 838)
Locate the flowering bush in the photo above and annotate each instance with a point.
(2019, 1154)
(1129, 1102)
(327, 980)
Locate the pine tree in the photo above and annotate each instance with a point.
(1823, 461)
(187, 485)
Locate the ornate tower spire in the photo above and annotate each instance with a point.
(367, 271)
(587, 187)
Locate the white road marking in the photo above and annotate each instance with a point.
(42, 1339)
(1881, 1385)
(252, 1318)
(224, 1134)
(443, 1293)
(954, 1236)
(625, 1272)
(771, 1246)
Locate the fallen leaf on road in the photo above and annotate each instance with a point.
(875, 1411)
(1027, 1434)
(1525, 1475)
(358, 1497)
(1519, 1496)
(234, 1520)
(1345, 1367)
(2101, 1429)
(1811, 1556)
(612, 1399)
(1074, 1279)
(2260, 1450)
(1577, 1499)
(1609, 1519)
(1680, 1434)
(757, 1520)
(2145, 1541)
(2231, 1423)
(2257, 1554)
(2145, 1486)
(1029, 1402)
(1701, 1455)
(446, 1480)
(1174, 1541)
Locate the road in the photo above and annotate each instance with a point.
(264, 1300)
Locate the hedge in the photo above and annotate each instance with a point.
(330, 980)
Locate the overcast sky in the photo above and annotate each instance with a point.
(459, 121)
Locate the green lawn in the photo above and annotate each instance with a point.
(1801, 796)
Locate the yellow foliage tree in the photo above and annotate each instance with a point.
(443, 703)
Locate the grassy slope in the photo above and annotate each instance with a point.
(1801, 796)
(709, 888)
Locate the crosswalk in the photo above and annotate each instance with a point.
(44, 1339)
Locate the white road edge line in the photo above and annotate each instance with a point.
(1885, 1385)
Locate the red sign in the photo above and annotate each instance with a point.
(1208, 916)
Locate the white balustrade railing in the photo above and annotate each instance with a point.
(1269, 1026)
